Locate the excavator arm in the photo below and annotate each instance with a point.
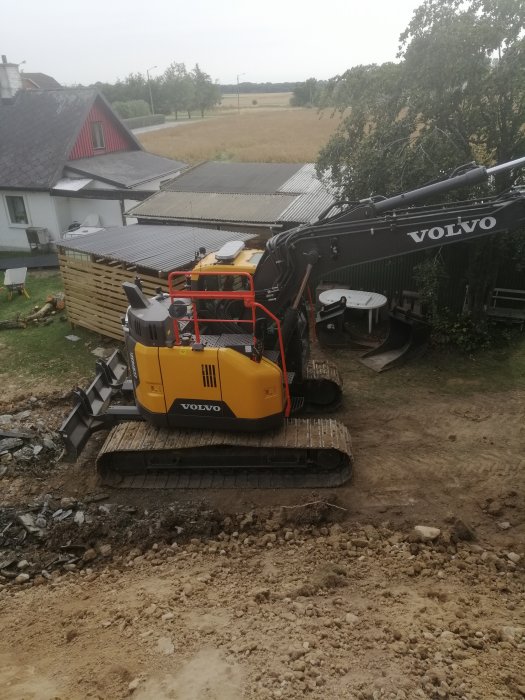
(376, 230)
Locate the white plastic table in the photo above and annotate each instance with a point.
(355, 299)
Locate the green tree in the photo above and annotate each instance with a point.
(306, 94)
(206, 93)
(457, 95)
(177, 89)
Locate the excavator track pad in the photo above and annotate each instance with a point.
(304, 453)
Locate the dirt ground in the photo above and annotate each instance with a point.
(282, 594)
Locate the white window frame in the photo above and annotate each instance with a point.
(102, 135)
(14, 224)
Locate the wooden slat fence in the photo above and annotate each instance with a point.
(94, 296)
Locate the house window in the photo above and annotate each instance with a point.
(97, 135)
(16, 208)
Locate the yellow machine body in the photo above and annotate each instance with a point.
(179, 386)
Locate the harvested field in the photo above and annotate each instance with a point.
(280, 136)
(260, 100)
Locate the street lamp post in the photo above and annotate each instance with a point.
(149, 87)
(238, 94)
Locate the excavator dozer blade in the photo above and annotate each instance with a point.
(407, 338)
(91, 405)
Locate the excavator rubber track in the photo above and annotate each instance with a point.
(323, 388)
(304, 453)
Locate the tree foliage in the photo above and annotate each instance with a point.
(306, 94)
(175, 90)
(456, 95)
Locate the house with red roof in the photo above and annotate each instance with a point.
(66, 158)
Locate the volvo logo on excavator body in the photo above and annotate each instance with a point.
(200, 407)
(436, 232)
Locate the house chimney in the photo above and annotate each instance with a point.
(10, 80)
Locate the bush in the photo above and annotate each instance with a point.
(467, 333)
(131, 108)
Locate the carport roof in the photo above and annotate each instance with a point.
(242, 178)
(213, 206)
(159, 248)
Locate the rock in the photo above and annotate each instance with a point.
(165, 646)
(5, 419)
(187, 589)
(509, 634)
(89, 555)
(23, 564)
(22, 578)
(37, 449)
(71, 635)
(167, 616)
(23, 415)
(10, 444)
(504, 525)
(101, 353)
(351, 619)
(134, 684)
(427, 534)
(49, 444)
(67, 502)
(104, 550)
(25, 454)
(494, 508)
(79, 517)
(513, 557)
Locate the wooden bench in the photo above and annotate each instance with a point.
(507, 305)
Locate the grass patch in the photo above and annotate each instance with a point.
(39, 356)
(438, 373)
(278, 136)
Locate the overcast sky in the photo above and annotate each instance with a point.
(267, 40)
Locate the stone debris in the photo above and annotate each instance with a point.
(27, 447)
(427, 534)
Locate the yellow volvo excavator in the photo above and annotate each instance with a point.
(219, 368)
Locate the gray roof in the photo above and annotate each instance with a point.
(37, 130)
(246, 208)
(41, 80)
(126, 169)
(159, 248)
(231, 178)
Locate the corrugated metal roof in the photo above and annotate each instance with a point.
(201, 206)
(307, 207)
(159, 248)
(305, 180)
(231, 178)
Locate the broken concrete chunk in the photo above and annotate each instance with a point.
(10, 444)
(427, 534)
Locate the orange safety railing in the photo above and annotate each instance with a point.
(247, 296)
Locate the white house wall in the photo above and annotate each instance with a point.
(40, 211)
(108, 210)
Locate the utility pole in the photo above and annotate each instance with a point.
(149, 87)
(239, 94)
